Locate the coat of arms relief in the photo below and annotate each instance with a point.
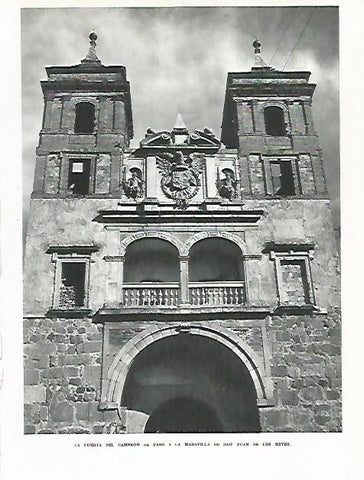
(180, 176)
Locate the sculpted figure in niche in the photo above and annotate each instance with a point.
(133, 186)
(226, 186)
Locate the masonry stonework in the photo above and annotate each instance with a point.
(188, 285)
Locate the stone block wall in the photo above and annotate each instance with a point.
(62, 376)
(306, 374)
(63, 362)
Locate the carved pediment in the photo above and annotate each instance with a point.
(153, 138)
(204, 138)
(180, 138)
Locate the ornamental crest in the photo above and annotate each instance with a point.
(180, 176)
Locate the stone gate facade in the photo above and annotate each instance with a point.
(188, 285)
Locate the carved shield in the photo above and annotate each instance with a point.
(181, 179)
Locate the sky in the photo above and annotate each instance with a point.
(177, 60)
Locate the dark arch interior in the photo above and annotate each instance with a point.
(274, 121)
(183, 415)
(191, 383)
(215, 259)
(151, 260)
(85, 118)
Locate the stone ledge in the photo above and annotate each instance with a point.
(190, 313)
(68, 313)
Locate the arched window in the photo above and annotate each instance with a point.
(85, 118)
(274, 121)
(151, 260)
(215, 260)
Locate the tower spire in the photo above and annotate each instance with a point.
(259, 62)
(91, 56)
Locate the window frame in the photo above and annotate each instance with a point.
(92, 172)
(94, 118)
(302, 255)
(74, 254)
(268, 177)
(283, 118)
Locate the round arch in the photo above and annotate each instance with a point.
(202, 235)
(215, 259)
(151, 260)
(160, 235)
(121, 365)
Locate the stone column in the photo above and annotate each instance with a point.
(258, 115)
(184, 280)
(47, 114)
(119, 115)
(307, 109)
(211, 177)
(115, 179)
(114, 282)
(63, 181)
(245, 118)
(56, 117)
(151, 177)
(39, 174)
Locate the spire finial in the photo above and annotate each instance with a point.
(179, 123)
(91, 57)
(257, 45)
(259, 62)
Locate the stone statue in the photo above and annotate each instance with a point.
(226, 186)
(133, 186)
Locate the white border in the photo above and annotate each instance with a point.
(311, 456)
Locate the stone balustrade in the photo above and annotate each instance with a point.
(151, 295)
(227, 293)
(167, 295)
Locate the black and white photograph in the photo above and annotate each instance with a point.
(181, 230)
(186, 276)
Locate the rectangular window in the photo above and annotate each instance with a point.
(79, 176)
(71, 276)
(293, 274)
(295, 287)
(72, 287)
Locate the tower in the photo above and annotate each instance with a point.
(190, 284)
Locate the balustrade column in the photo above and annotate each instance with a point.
(183, 262)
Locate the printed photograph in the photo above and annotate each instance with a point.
(181, 220)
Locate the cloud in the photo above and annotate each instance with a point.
(177, 60)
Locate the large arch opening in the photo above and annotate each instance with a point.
(151, 260)
(191, 383)
(183, 415)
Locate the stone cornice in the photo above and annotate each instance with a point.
(186, 313)
(170, 215)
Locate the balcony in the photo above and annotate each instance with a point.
(151, 295)
(157, 276)
(216, 294)
(169, 294)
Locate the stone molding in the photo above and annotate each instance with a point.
(117, 373)
(161, 235)
(183, 248)
(202, 235)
